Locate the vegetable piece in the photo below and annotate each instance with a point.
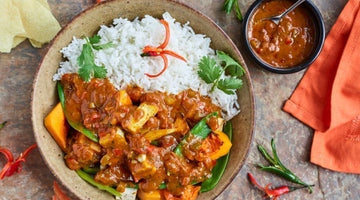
(152, 195)
(200, 129)
(156, 134)
(58, 193)
(180, 126)
(91, 170)
(224, 148)
(230, 4)
(86, 177)
(210, 72)
(115, 139)
(76, 125)
(123, 98)
(160, 51)
(191, 192)
(146, 111)
(220, 166)
(86, 60)
(142, 168)
(13, 166)
(56, 124)
(273, 193)
(276, 166)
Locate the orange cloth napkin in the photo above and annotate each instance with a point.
(328, 96)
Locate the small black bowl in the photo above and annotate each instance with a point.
(318, 43)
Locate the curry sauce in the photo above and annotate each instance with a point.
(128, 153)
(284, 45)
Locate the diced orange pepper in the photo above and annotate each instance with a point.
(55, 122)
(152, 195)
(224, 148)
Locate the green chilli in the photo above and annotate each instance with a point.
(277, 167)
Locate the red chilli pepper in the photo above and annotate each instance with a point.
(160, 51)
(58, 193)
(272, 193)
(13, 166)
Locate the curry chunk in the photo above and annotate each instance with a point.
(141, 115)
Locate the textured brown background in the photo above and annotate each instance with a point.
(17, 71)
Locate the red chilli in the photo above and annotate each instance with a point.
(13, 166)
(272, 193)
(58, 193)
(160, 51)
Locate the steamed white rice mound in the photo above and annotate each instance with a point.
(125, 65)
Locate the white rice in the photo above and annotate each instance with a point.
(125, 65)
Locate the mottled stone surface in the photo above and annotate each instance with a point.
(293, 138)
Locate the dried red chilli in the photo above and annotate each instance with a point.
(161, 51)
(273, 193)
(13, 166)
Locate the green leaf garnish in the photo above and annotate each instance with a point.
(233, 68)
(210, 72)
(94, 39)
(228, 85)
(86, 60)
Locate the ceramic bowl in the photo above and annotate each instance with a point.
(44, 96)
(315, 15)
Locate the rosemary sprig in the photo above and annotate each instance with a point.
(276, 167)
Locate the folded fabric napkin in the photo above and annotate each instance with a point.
(328, 96)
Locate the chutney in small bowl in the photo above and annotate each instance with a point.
(290, 46)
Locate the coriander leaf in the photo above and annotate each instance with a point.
(94, 39)
(99, 72)
(227, 85)
(209, 71)
(102, 46)
(85, 72)
(232, 67)
(86, 57)
(86, 61)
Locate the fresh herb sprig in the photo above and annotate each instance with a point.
(276, 166)
(2, 124)
(230, 4)
(86, 60)
(210, 71)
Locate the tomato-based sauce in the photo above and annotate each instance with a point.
(284, 45)
(128, 153)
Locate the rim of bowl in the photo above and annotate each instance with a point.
(320, 38)
(236, 51)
